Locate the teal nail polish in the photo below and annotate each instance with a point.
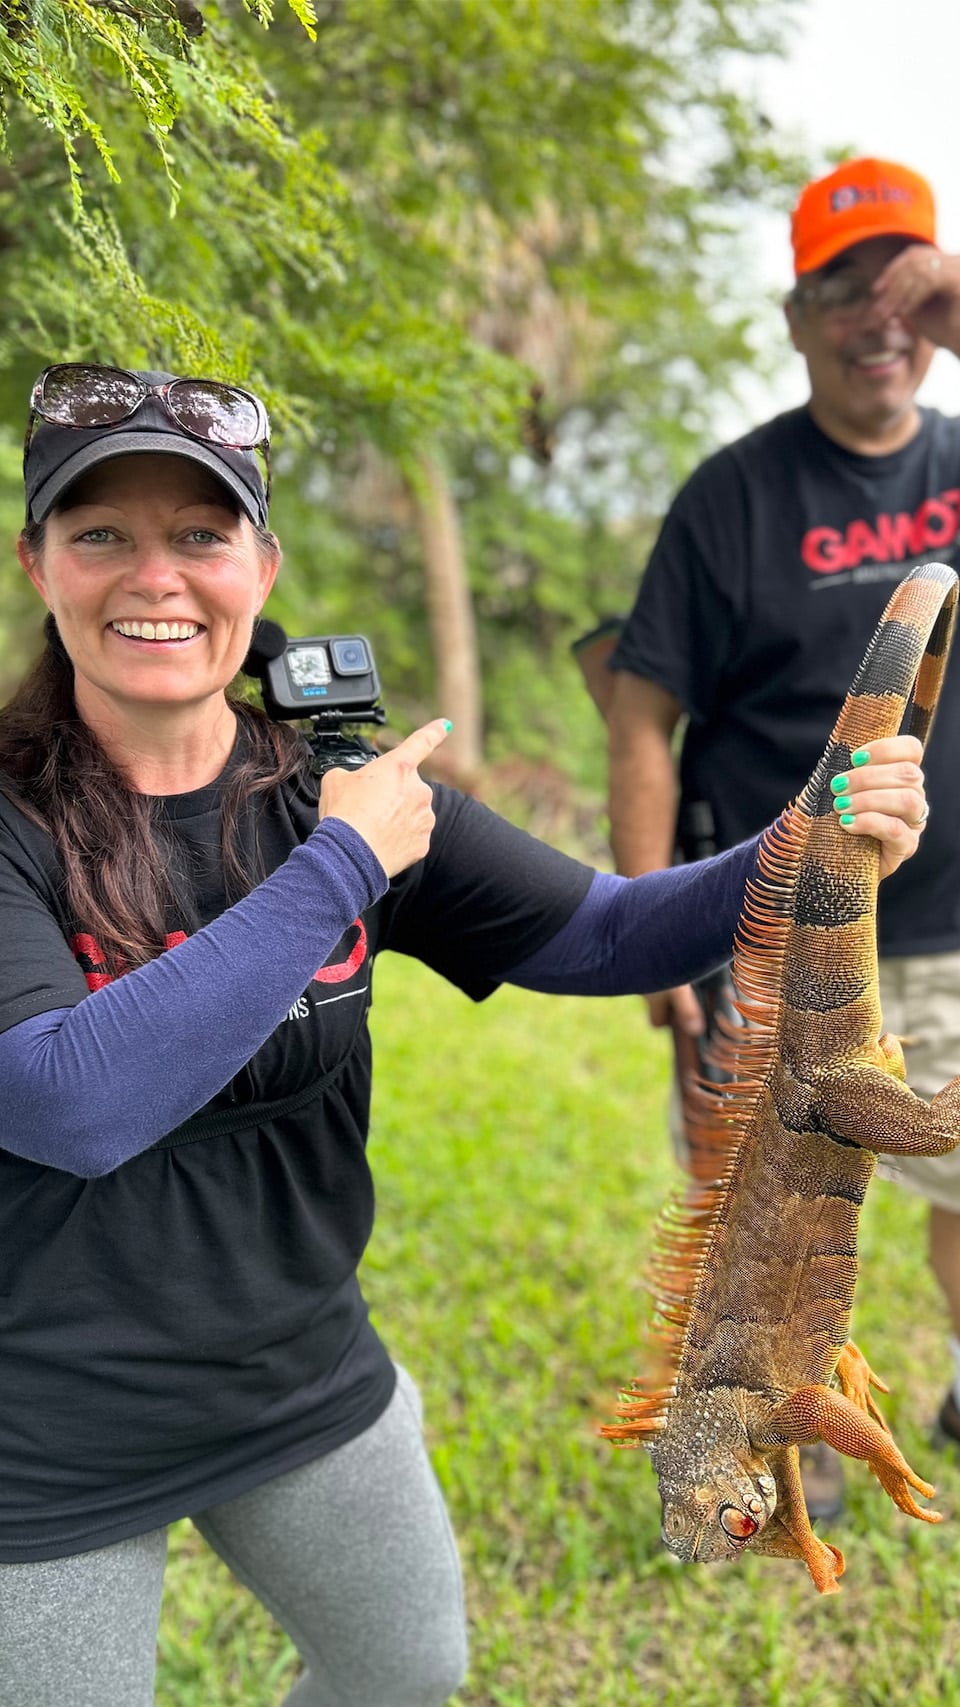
(447, 725)
(838, 784)
(842, 803)
(860, 757)
(847, 819)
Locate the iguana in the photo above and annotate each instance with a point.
(755, 1263)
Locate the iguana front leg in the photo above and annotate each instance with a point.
(819, 1413)
(789, 1535)
(869, 1107)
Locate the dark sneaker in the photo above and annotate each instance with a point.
(946, 1429)
(821, 1475)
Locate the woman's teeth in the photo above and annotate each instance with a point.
(157, 630)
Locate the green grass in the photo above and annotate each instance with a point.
(520, 1157)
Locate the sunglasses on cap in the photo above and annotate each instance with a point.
(87, 396)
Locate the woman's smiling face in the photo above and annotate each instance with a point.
(155, 580)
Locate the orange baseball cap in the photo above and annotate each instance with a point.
(862, 198)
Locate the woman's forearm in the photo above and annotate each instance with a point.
(635, 935)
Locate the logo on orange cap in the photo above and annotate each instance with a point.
(862, 198)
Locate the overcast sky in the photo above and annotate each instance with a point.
(884, 77)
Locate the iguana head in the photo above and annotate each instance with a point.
(715, 1520)
(716, 1491)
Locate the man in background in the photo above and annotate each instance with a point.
(770, 573)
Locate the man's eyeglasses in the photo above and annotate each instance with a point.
(84, 395)
(842, 295)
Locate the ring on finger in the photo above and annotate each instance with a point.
(918, 823)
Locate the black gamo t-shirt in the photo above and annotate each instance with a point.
(191, 1324)
(769, 576)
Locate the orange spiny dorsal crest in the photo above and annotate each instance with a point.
(805, 862)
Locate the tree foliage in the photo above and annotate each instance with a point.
(390, 216)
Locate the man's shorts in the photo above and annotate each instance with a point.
(920, 999)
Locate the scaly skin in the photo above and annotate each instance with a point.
(755, 1266)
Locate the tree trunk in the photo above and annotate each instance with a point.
(452, 625)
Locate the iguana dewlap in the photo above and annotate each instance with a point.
(755, 1265)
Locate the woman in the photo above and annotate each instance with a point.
(184, 1197)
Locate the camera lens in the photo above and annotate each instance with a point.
(350, 657)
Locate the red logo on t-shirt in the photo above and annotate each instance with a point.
(344, 969)
(92, 959)
(888, 539)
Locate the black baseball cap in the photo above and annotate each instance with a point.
(57, 456)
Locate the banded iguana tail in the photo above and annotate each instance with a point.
(755, 1264)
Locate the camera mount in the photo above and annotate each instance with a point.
(329, 679)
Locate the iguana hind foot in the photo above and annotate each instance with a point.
(856, 1378)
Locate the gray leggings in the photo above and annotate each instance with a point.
(353, 1554)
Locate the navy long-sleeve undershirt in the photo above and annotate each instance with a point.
(631, 936)
(86, 1088)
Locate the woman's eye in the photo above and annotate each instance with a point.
(97, 536)
(202, 536)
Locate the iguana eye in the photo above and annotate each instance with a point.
(737, 1524)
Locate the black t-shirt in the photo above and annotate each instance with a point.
(191, 1324)
(770, 574)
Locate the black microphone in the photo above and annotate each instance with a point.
(268, 641)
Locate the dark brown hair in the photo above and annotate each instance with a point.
(119, 879)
